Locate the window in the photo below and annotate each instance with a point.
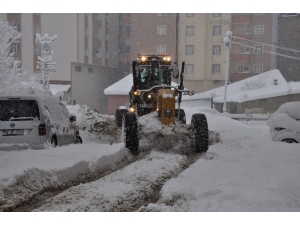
(258, 68)
(16, 26)
(189, 49)
(161, 30)
(190, 30)
(217, 30)
(244, 30)
(36, 29)
(161, 14)
(258, 49)
(86, 52)
(161, 49)
(189, 68)
(190, 14)
(244, 50)
(259, 30)
(126, 49)
(217, 14)
(15, 47)
(86, 32)
(216, 82)
(78, 68)
(37, 50)
(216, 68)
(90, 70)
(216, 49)
(243, 69)
(127, 30)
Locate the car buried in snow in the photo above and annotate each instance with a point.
(35, 119)
(285, 123)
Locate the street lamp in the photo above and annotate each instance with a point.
(44, 64)
(227, 41)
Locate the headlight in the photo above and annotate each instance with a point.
(149, 96)
(168, 113)
(143, 58)
(132, 109)
(137, 93)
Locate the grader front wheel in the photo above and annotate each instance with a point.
(200, 133)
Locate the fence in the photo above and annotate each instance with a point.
(249, 118)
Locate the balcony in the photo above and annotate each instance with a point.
(240, 57)
(241, 19)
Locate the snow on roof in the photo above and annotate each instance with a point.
(55, 88)
(256, 87)
(123, 86)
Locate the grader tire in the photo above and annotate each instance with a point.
(119, 115)
(131, 132)
(182, 118)
(200, 133)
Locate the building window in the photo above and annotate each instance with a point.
(15, 47)
(258, 49)
(244, 50)
(127, 30)
(190, 30)
(258, 68)
(78, 68)
(243, 69)
(189, 49)
(37, 29)
(189, 68)
(216, 49)
(217, 30)
(217, 14)
(126, 49)
(90, 70)
(161, 14)
(216, 68)
(161, 30)
(86, 32)
(37, 50)
(161, 49)
(216, 82)
(259, 30)
(244, 30)
(16, 26)
(190, 14)
(86, 52)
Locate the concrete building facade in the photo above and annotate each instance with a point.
(201, 46)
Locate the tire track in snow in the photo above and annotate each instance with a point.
(122, 191)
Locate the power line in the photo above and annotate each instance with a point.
(291, 57)
(289, 49)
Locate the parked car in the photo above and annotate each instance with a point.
(35, 119)
(285, 123)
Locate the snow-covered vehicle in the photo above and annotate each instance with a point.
(285, 123)
(34, 119)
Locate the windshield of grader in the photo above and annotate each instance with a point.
(151, 76)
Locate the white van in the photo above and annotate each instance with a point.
(35, 119)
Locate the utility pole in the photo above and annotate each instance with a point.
(227, 41)
(44, 64)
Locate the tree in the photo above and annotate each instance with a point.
(10, 70)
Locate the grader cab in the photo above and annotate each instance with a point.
(152, 91)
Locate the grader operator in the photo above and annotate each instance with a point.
(152, 90)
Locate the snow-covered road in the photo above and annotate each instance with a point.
(124, 190)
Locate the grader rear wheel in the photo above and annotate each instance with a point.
(200, 133)
(131, 132)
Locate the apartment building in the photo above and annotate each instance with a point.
(201, 46)
(253, 36)
(147, 33)
(288, 38)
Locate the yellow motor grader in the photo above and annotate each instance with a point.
(152, 90)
